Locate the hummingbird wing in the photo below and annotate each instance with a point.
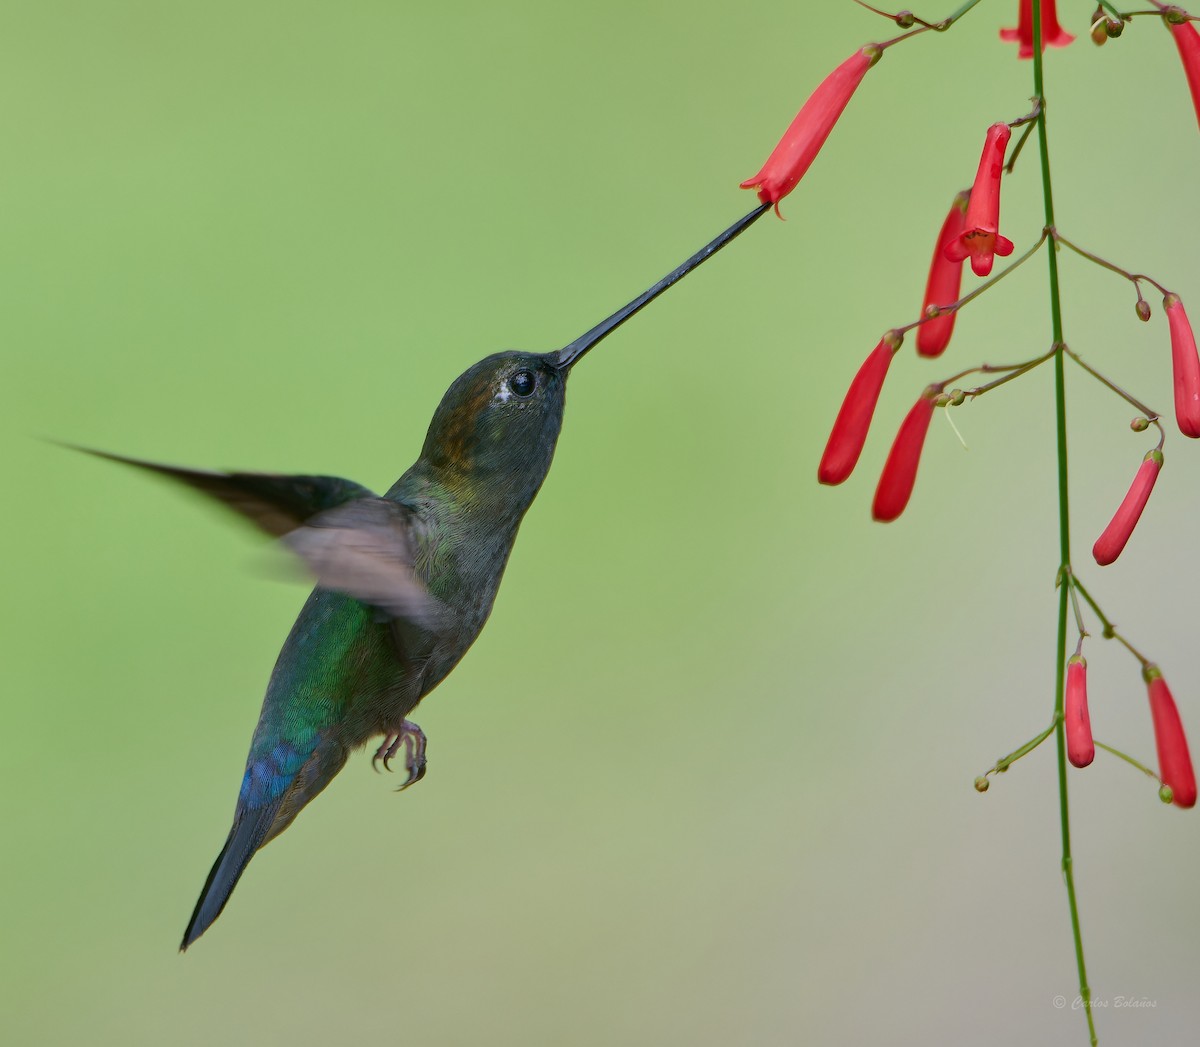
(351, 539)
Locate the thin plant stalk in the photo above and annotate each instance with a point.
(1064, 520)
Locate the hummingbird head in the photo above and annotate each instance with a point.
(499, 420)
(494, 432)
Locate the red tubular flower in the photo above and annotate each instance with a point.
(1187, 39)
(1109, 545)
(900, 470)
(1186, 367)
(849, 431)
(945, 280)
(807, 132)
(1174, 760)
(980, 238)
(1081, 750)
(1053, 35)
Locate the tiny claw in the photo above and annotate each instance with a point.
(413, 739)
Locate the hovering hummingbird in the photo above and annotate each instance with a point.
(405, 581)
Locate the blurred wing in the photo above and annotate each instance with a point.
(352, 540)
(363, 549)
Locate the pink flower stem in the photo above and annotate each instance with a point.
(1136, 278)
(1012, 159)
(1028, 118)
(1151, 415)
(923, 26)
(904, 19)
(951, 307)
(1016, 372)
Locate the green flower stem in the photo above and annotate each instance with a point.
(1110, 630)
(953, 307)
(923, 26)
(1064, 529)
(1134, 277)
(1012, 157)
(1019, 369)
(1150, 413)
(1017, 372)
(1129, 760)
(1005, 762)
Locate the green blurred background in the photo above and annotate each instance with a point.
(706, 777)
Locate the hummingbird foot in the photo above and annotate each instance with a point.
(413, 739)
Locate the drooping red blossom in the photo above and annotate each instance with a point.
(1187, 40)
(1109, 545)
(900, 470)
(944, 283)
(980, 238)
(1174, 760)
(1185, 364)
(1053, 35)
(1081, 750)
(849, 432)
(801, 142)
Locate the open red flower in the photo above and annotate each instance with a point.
(980, 238)
(1187, 40)
(849, 432)
(1109, 545)
(1081, 750)
(1174, 760)
(900, 470)
(804, 137)
(944, 283)
(1053, 35)
(1185, 364)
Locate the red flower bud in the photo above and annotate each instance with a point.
(1187, 40)
(945, 280)
(1053, 35)
(1186, 367)
(1174, 760)
(1109, 545)
(900, 470)
(980, 238)
(1081, 750)
(849, 432)
(807, 132)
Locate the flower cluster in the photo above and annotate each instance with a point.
(971, 231)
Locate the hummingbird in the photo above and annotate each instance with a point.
(404, 581)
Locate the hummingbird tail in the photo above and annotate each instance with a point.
(248, 834)
(254, 827)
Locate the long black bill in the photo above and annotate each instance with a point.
(569, 355)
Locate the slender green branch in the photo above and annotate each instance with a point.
(1064, 529)
(1020, 368)
(953, 307)
(1151, 415)
(1012, 158)
(1016, 372)
(1110, 630)
(1078, 618)
(1129, 760)
(1134, 277)
(923, 26)
(1005, 762)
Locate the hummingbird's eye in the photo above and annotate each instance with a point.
(522, 383)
